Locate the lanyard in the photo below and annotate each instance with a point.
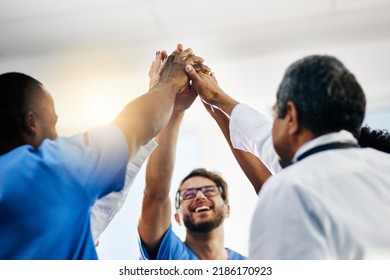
(325, 147)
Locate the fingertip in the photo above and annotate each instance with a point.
(189, 68)
(164, 55)
(180, 47)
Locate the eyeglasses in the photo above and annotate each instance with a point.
(211, 190)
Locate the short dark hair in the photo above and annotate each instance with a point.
(17, 91)
(327, 96)
(213, 176)
(378, 139)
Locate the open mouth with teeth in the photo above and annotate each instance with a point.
(201, 209)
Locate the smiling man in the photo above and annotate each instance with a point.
(202, 206)
(201, 201)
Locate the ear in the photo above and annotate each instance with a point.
(227, 210)
(30, 124)
(177, 218)
(292, 118)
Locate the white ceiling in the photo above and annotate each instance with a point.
(245, 26)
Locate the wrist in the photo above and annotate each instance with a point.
(172, 85)
(225, 102)
(167, 85)
(176, 114)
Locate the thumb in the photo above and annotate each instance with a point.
(192, 73)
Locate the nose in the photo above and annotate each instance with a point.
(199, 195)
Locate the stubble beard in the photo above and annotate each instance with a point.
(203, 227)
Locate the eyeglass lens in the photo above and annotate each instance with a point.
(206, 190)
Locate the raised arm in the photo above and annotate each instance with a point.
(156, 205)
(208, 89)
(143, 118)
(253, 167)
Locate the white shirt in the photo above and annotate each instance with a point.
(251, 131)
(333, 204)
(105, 209)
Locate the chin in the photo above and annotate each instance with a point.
(204, 226)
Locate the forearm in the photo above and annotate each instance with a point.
(254, 169)
(156, 205)
(224, 102)
(143, 118)
(160, 165)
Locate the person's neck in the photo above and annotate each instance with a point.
(208, 246)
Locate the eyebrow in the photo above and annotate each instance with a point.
(181, 190)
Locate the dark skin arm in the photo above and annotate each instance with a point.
(149, 113)
(253, 167)
(208, 89)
